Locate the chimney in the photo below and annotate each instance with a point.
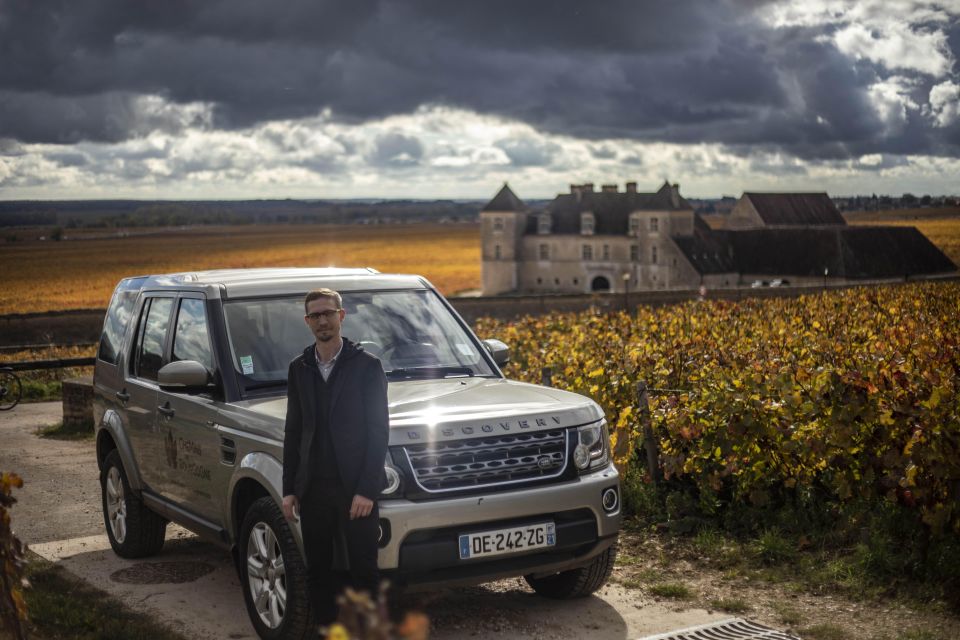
(574, 188)
(675, 194)
(588, 187)
(631, 187)
(609, 188)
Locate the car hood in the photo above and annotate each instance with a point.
(454, 408)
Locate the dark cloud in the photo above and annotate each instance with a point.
(684, 71)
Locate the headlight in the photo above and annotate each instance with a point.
(591, 451)
(393, 479)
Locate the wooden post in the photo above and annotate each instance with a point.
(649, 441)
(546, 376)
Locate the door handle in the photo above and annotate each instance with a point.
(122, 396)
(166, 410)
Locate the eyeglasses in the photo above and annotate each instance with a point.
(326, 315)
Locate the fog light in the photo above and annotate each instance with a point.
(611, 500)
(393, 480)
(384, 533)
(581, 456)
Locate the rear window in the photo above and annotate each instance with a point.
(118, 318)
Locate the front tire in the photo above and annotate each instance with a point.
(134, 531)
(273, 574)
(577, 583)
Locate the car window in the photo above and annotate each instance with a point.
(191, 339)
(153, 331)
(118, 319)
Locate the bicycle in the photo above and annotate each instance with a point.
(10, 389)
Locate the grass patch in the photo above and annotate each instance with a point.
(631, 583)
(730, 605)
(40, 390)
(824, 632)
(772, 547)
(672, 590)
(60, 431)
(787, 614)
(62, 607)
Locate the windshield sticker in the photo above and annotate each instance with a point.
(246, 363)
(464, 349)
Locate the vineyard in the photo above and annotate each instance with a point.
(822, 403)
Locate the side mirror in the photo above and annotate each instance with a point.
(499, 350)
(183, 375)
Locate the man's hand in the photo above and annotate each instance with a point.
(361, 507)
(291, 508)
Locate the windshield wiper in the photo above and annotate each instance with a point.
(430, 372)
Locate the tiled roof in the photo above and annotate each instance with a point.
(505, 200)
(611, 210)
(848, 252)
(778, 209)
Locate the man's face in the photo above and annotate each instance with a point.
(324, 319)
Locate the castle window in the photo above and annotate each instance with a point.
(496, 253)
(587, 252)
(498, 224)
(539, 280)
(634, 253)
(653, 255)
(544, 224)
(586, 224)
(576, 281)
(654, 224)
(634, 225)
(544, 252)
(606, 252)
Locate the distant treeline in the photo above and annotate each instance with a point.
(140, 213)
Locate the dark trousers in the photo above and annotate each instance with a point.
(324, 514)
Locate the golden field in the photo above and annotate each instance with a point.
(80, 274)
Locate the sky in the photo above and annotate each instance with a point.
(225, 99)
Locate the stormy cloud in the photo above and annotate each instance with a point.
(822, 81)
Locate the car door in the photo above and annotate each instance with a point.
(140, 390)
(189, 418)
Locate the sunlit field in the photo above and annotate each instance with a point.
(80, 274)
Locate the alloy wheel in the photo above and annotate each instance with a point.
(266, 575)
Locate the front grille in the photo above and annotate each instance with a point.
(494, 460)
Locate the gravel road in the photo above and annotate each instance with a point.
(60, 501)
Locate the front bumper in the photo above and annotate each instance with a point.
(422, 544)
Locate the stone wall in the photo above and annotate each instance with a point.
(78, 403)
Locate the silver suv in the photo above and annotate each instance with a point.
(488, 478)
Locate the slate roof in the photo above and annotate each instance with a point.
(611, 210)
(778, 209)
(848, 252)
(505, 200)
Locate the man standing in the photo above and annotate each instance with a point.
(334, 448)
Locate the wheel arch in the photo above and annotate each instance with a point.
(110, 436)
(258, 475)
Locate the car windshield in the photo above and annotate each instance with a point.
(412, 332)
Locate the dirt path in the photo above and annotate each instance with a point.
(60, 498)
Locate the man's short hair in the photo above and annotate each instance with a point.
(322, 293)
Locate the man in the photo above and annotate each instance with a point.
(334, 448)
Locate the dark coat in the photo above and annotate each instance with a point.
(359, 421)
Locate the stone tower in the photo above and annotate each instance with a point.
(502, 225)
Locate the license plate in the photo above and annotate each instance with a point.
(503, 541)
